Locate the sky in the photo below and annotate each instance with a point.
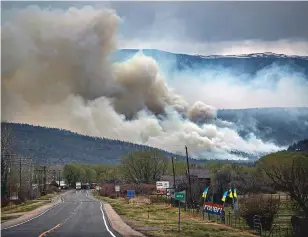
(56, 71)
(207, 27)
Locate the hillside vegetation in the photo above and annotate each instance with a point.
(299, 146)
(282, 126)
(55, 146)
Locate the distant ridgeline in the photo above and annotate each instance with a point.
(59, 146)
(299, 146)
(53, 146)
(282, 126)
(248, 63)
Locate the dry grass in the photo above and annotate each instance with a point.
(162, 220)
(27, 205)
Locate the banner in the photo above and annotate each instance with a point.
(213, 208)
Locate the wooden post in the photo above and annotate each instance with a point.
(179, 227)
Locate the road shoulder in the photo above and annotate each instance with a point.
(117, 223)
(27, 216)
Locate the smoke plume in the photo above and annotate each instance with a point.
(56, 72)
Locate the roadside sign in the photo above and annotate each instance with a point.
(162, 184)
(130, 194)
(117, 188)
(213, 208)
(180, 196)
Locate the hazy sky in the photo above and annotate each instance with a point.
(209, 27)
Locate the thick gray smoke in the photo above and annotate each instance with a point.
(56, 73)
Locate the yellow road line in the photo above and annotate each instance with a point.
(46, 232)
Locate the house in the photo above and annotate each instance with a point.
(179, 179)
(200, 175)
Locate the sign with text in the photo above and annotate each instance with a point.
(162, 185)
(213, 208)
(117, 188)
(179, 196)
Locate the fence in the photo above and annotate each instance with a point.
(279, 231)
(236, 221)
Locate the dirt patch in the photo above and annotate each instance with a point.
(138, 226)
(140, 200)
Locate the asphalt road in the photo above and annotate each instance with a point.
(80, 215)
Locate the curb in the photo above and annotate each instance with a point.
(109, 222)
(130, 233)
(21, 220)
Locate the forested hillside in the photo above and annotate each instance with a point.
(299, 146)
(51, 146)
(55, 146)
(283, 126)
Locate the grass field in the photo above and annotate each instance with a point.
(14, 211)
(159, 219)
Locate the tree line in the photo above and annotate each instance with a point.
(282, 171)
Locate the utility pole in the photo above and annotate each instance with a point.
(10, 196)
(19, 176)
(188, 173)
(174, 186)
(54, 178)
(173, 173)
(59, 179)
(44, 179)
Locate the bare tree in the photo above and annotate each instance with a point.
(291, 176)
(6, 152)
(144, 166)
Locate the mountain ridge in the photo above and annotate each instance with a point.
(252, 55)
(54, 146)
(250, 64)
(60, 146)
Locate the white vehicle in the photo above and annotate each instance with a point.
(78, 185)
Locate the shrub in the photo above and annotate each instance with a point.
(266, 207)
(108, 190)
(300, 226)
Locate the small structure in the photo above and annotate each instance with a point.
(63, 185)
(200, 175)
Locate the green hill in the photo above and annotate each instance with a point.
(56, 146)
(51, 146)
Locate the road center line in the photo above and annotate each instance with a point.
(46, 232)
(106, 222)
(60, 224)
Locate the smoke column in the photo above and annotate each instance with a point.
(56, 73)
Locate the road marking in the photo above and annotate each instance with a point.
(46, 232)
(106, 222)
(31, 218)
(60, 224)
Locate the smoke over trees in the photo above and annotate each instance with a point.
(63, 78)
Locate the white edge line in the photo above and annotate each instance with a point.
(106, 222)
(31, 218)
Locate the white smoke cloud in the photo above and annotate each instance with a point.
(56, 73)
(271, 87)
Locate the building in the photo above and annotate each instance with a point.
(200, 175)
